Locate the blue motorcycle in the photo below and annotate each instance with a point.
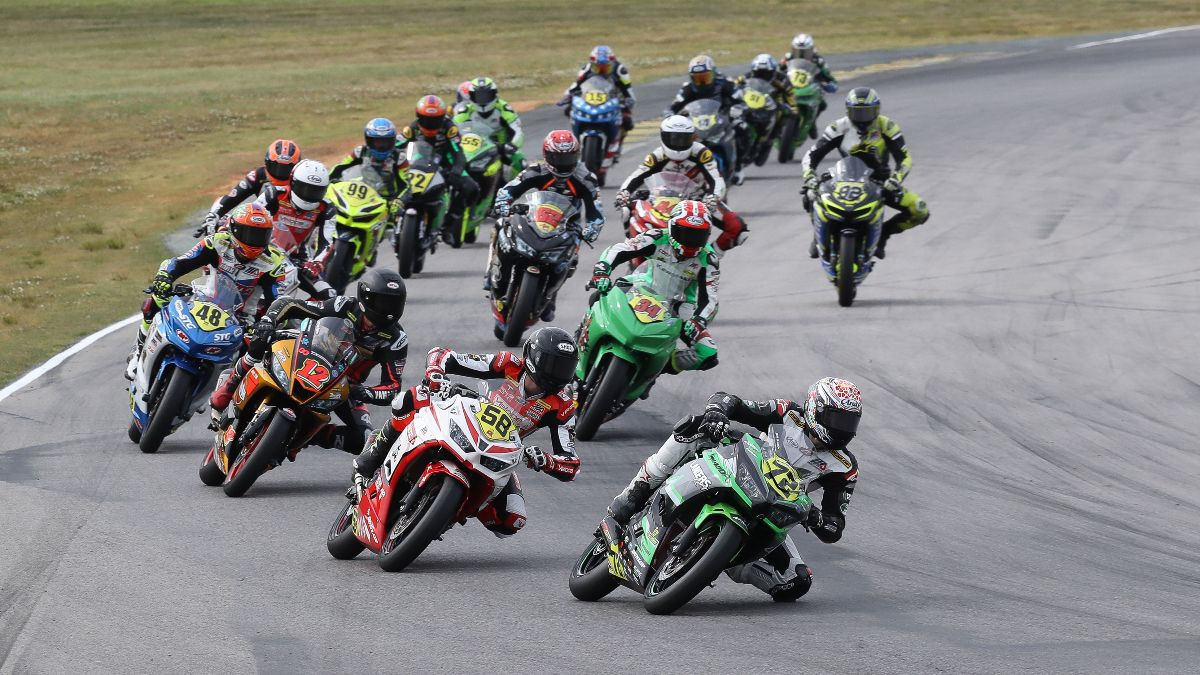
(596, 120)
(193, 338)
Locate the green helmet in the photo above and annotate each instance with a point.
(862, 107)
(484, 94)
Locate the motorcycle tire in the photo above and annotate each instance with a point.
(518, 314)
(340, 541)
(270, 446)
(763, 153)
(437, 514)
(135, 434)
(610, 389)
(787, 139)
(211, 473)
(407, 244)
(593, 155)
(176, 394)
(711, 561)
(590, 579)
(337, 273)
(845, 271)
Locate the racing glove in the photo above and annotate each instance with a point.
(810, 181)
(261, 340)
(713, 204)
(813, 520)
(360, 393)
(591, 231)
(535, 458)
(716, 424)
(693, 328)
(829, 87)
(600, 279)
(892, 184)
(207, 226)
(161, 286)
(622, 199)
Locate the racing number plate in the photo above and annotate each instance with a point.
(471, 142)
(754, 99)
(495, 422)
(783, 478)
(418, 181)
(799, 78)
(647, 309)
(595, 97)
(209, 317)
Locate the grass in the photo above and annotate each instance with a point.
(119, 118)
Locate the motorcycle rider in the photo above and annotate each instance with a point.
(681, 252)
(483, 99)
(829, 417)
(435, 126)
(301, 210)
(681, 153)
(765, 67)
(603, 62)
(243, 253)
(561, 172)
(379, 339)
(281, 157)
(805, 49)
(872, 138)
(533, 392)
(382, 164)
(704, 81)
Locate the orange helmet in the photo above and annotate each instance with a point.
(282, 156)
(250, 225)
(431, 114)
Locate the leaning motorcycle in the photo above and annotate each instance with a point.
(456, 456)
(847, 214)
(596, 121)
(191, 339)
(807, 95)
(362, 217)
(536, 246)
(715, 130)
(758, 111)
(425, 200)
(730, 506)
(486, 168)
(282, 403)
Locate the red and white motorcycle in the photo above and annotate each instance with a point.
(454, 457)
(654, 200)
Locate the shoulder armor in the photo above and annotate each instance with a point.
(407, 133)
(705, 155)
(888, 127)
(452, 131)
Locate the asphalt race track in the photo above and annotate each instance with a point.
(1028, 499)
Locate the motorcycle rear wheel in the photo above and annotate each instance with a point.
(407, 244)
(340, 541)
(518, 314)
(701, 565)
(610, 389)
(269, 448)
(163, 412)
(787, 139)
(436, 510)
(590, 579)
(845, 272)
(337, 274)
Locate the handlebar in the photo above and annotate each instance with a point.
(182, 290)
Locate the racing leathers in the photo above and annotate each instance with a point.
(697, 278)
(505, 514)
(700, 164)
(721, 89)
(294, 228)
(782, 572)
(507, 133)
(881, 139)
(623, 81)
(386, 346)
(250, 185)
(386, 177)
(453, 168)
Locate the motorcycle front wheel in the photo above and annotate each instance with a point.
(610, 390)
(414, 531)
(268, 448)
(337, 274)
(593, 153)
(176, 393)
(845, 271)
(685, 573)
(522, 308)
(407, 244)
(590, 579)
(340, 541)
(787, 139)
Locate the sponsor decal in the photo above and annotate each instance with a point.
(699, 477)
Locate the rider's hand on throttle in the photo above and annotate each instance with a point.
(435, 378)
(360, 393)
(161, 286)
(713, 204)
(535, 458)
(261, 339)
(811, 182)
(891, 184)
(622, 199)
(694, 327)
(716, 423)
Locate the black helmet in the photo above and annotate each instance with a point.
(550, 358)
(382, 295)
(862, 107)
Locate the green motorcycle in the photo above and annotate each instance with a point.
(625, 341)
(486, 168)
(807, 95)
(730, 506)
(362, 217)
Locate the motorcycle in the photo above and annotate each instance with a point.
(456, 456)
(653, 202)
(362, 217)
(626, 339)
(596, 120)
(282, 403)
(758, 110)
(191, 339)
(847, 214)
(484, 166)
(807, 95)
(425, 199)
(714, 128)
(731, 505)
(536, 246)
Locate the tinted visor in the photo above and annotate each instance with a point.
(381, 143)
(381, 308)
(483, 96)
(308, 192)
(553, 369)
(862, 115)
(279, 170)
(602, 68)
(563, 162)
(689, 237)
(841, 424)
(703, 79)
(677, 140)
(429, 123)
(250, 236)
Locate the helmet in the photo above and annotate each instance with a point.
(561, 152)
(382, 294)
(282, 155)
(309, 181)
(764, 66)
(702, 70)
(250, 225)
(431, 115)
(601, 59)
(483, 94)
(678, 133)
(380, 138)
(832, 411)
(550, 357)
(862, 107)
(463, 92)
(689, 225)
(802, 46)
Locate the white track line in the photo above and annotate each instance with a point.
(1138, 36)
(67, 353)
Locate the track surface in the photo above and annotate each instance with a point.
(1028, 498)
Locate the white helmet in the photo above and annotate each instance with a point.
(802, 46)
(678, 133)
(309, 181)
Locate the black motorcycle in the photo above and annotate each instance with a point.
(425, 200)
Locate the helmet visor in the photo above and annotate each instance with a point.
(308, 192)
(484, 97)
(703, 79)
(562, 162)
(250, 236)
(381, 308)
(690, 238)
(677, 140)
(862, 115)
(381, 143)
(602, 68)
(841, 424)
(279, 170)
(552, 370)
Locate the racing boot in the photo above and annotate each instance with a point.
(131, 361)
(370, 459)
(631, 500)
(889, 228)
(737, 178)
(227, 383)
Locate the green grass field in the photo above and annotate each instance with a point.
(117, 119)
